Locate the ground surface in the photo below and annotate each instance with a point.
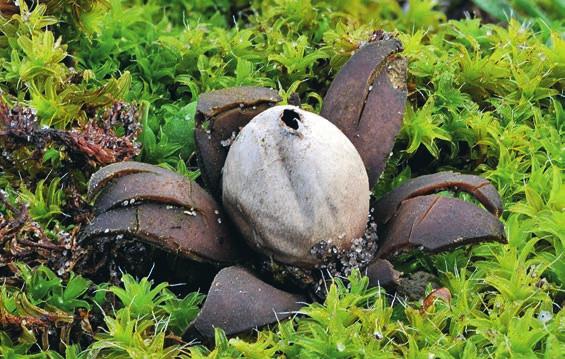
(84, 84)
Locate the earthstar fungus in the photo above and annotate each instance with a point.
(295, 188)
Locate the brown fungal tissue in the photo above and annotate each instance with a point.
(297, 187)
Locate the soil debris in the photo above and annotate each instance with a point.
(92, 143)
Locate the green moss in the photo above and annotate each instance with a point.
(484, 99)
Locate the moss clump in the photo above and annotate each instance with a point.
(484, 98)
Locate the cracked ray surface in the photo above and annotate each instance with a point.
(436, 223)
(168, 228)
(477, 186)
(104, 175)
(238, 302)
(163, 188)
(366, 101)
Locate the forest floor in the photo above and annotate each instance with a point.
(87, 83)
